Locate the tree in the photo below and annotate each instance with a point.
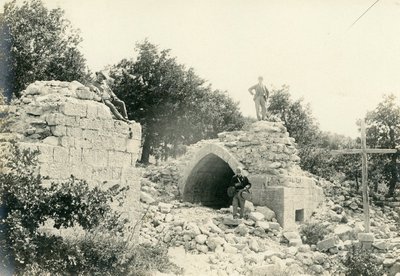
(384, 132)
(39, 44)
(171, 102)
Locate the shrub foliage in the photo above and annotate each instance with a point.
(103, 249)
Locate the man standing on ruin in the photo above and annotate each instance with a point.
(260, 95)
(109, 98)
(240, 182)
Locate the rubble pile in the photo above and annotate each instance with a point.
(258, 244)
(233, 246)
(342, 215)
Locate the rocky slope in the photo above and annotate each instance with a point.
(208, 242)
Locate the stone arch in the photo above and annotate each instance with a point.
(208, 175)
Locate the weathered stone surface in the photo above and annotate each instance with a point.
(389, 262)
(270, 157)
(146, 198)
(274, 225)
(76, 135)
(395, 269)
(201, 239)
(327, 243)
(256, 216)
(231, 221)
(164, 207)
(268, 213)
(344, 232)
(266, 270)
(263, 224)
(214, 242)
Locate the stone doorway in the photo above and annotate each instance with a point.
(208, 181)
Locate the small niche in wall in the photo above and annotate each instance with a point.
(299, 215)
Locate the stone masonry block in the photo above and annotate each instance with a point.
(81, 171)
(61, 155)
(121, 127)
(123, 159)
(90, 134)
(51, 140)
(103, 142)
(95, 158)
(75, 156)
(83, 143)
(46, 153)
(116, 173)
(60, 119)
(67, 141)
(107, 125)
(58, 130)
(74, 108)
(74, 131)
(135, 131)
(92, 124)
(133, 146)
(103, 112)
(102, 173)
(119, 143)
(91, 112)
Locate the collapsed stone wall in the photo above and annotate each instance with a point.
(76, 134)
(270, 157)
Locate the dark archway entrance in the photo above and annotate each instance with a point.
(208, 181)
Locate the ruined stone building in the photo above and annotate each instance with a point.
(269, 155)
(76, 135)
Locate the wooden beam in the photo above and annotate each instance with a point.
(347, 151)
(381, 150)
(355, 151)
(365, 176)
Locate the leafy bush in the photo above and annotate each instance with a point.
(105, 248)
(312, 233)
(361, 262)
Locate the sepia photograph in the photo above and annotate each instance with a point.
(199, 138)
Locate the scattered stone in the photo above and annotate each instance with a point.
(201, 239)
(230, 249)
(253, 245)
(291, 235)
(214, 242)
(317, 269)
(389, 262)
(202, 248)
(380, 244)
(266, 270)
(256, 216)
(146, 198)
(249, 207)
(327, 244)
(268, 213)
(164, 207)
(231, 221)
(242, 230)
(274, 226)
(344, 232)
(395, 269)
(263, 224)
(304, 248)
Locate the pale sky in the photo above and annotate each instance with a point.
(307, 45)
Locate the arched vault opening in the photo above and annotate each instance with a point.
(209, 176)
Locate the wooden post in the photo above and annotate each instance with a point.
(365, 238)
(365, 177)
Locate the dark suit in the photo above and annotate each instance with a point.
(240, 183)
